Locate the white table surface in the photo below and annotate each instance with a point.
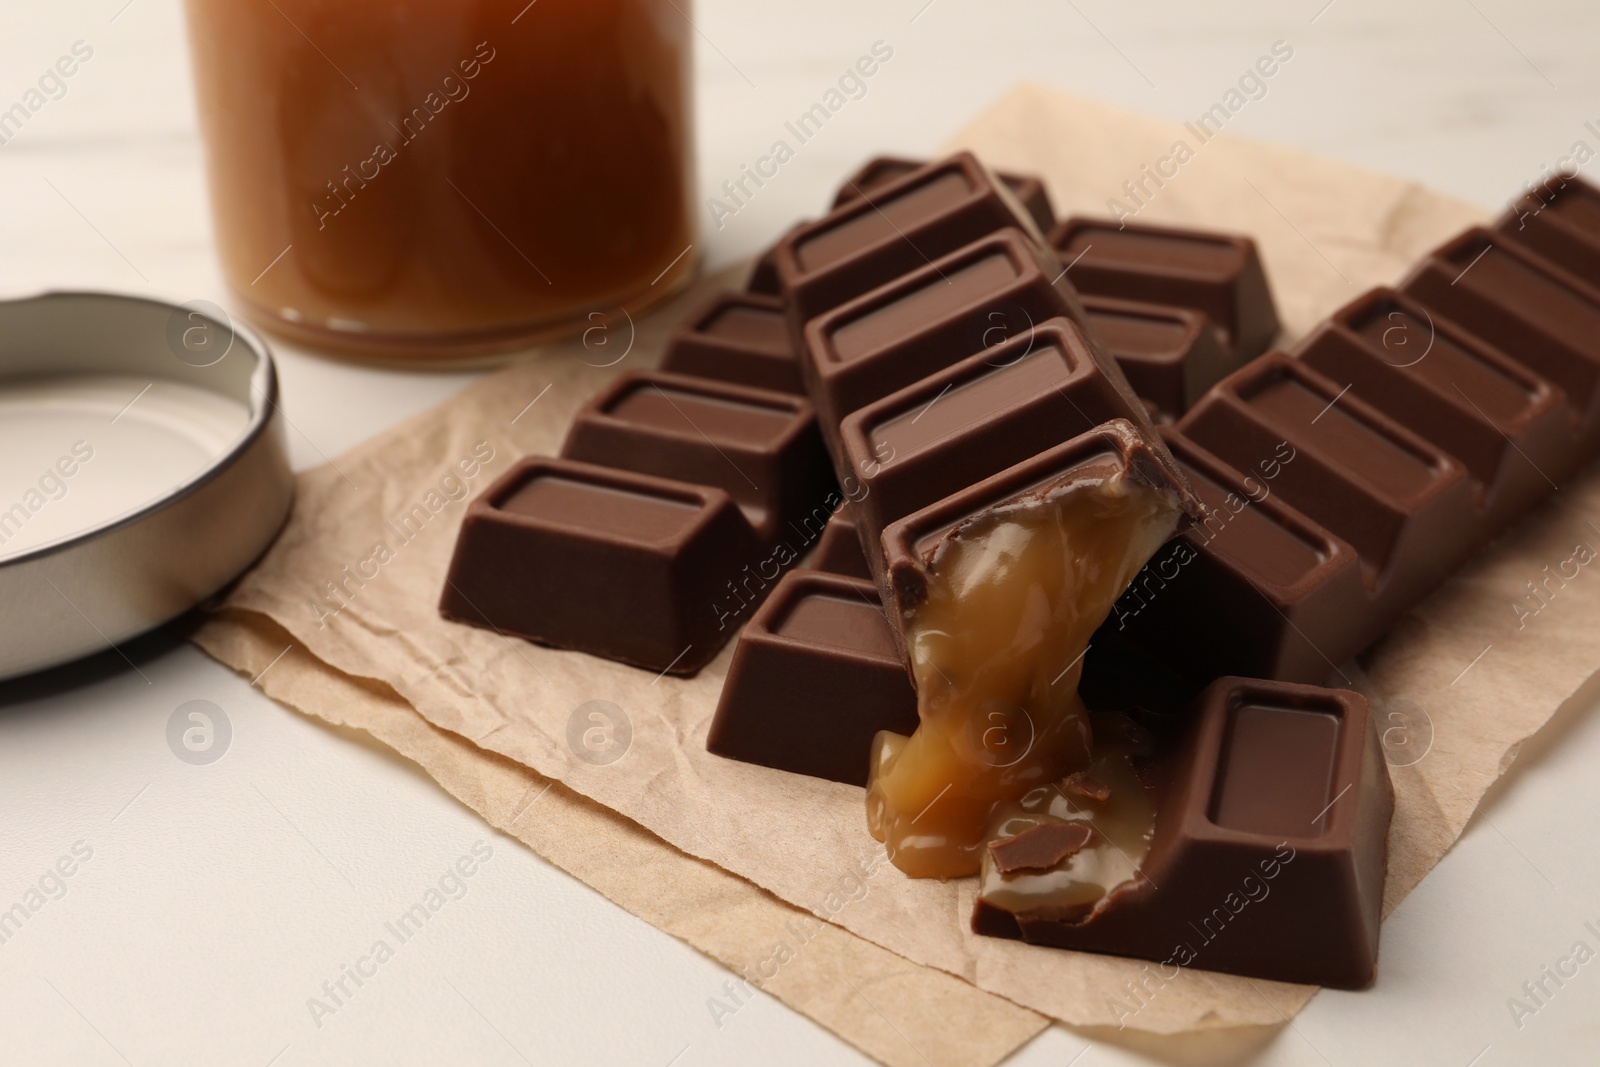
(218, 899)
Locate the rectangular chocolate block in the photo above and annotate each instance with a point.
(617, 564)
(761, 446)
(839, 549)
(1405, 506)
(1268, 854)
(815, 676)
(741, 338)
(1512, 429)
(1508, 298)
(1293, 595)
(1561, 222)
(907, 224)
(881, 170)
(978, 296)
(1171, 355)
(978, 417)
(1218, 274)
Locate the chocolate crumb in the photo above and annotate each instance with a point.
(1090, 788)
(1039, 848)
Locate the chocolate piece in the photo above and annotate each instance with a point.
(1171, 355)
(1268, 854)
(839, 549)
(1218, 274)
(1039, 848)
(1560, 222)
(1294, 595)
(815, 676)
(1405, 506)
(1511, 299)
(879, 171)
(609, 562)
(761, 446)
(906, 224)
(986, 413)
(741, 338)
(971, 300)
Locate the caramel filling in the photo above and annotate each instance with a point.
(996, 652)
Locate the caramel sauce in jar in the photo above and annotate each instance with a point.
(419, 181)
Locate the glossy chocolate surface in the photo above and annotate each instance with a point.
(742, 338)
(879, 171)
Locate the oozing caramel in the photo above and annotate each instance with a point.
(996, 651)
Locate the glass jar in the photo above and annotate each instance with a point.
(432, 180)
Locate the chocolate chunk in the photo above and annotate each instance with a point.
(1171, 355)
(741, 338)
(906, 224)
(761, 446)
(1269, 850)
(992, 410)
(609, 562)
(995, 288)
(879, 171)
(1218, 274)
(1082, 784)
(1039, 848)
(815, 676)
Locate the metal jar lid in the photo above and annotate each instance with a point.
(142, 468)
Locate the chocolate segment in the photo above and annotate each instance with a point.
(1218, 274)
(1268, 852)
(815, 676)
(971, 300)
(881, 170)
(741, 338)
(1559, 221)
(609, 562)
(1171, 355)
(761, 446)
(986, 413)
(907, 224)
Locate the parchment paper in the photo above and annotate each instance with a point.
(1461, 684)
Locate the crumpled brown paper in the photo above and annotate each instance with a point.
(355, 578)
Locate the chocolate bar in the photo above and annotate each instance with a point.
(1217, 274)
(1258, 848)
(908, 223)
(761, 446)
(815, 676)
(611, 562)
(1028, 190)
(741, 338)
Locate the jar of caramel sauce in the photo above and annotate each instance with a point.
(419, 181)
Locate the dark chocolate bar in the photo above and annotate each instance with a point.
(815, 676)
(1218, 274)
(741, 338)
(761, 446)
(614, 563)
(879, 171)
(1267, 856)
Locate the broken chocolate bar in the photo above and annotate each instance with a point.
(1266, 850)
(741, 338)
(994, 592)
(614, 563)
(879, 171)
(815, 676)
(761, 446)
(1218, 274)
